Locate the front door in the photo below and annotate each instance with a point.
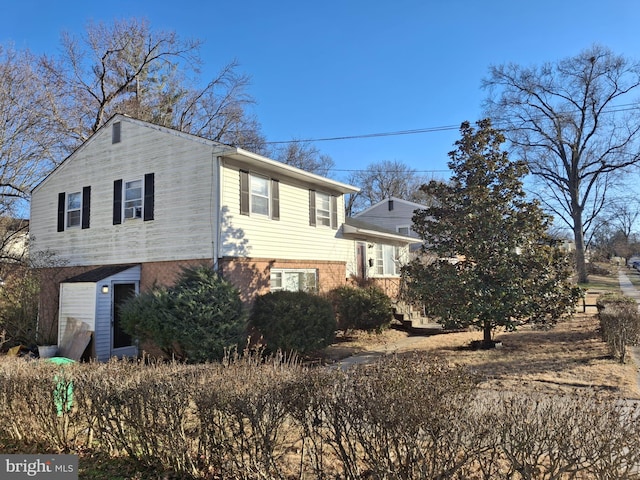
(121, 293)
(361, 260)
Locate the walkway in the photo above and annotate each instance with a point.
(628, 289)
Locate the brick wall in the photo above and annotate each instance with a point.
(251, 275)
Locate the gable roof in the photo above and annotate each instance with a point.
(386, 201)
(220, 150)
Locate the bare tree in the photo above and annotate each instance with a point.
(383, 180)
(152, 75)
(27, 143)
(569, 122)
(306, 156)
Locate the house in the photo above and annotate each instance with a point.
(393, 214)
(137, 202)
(396, 215)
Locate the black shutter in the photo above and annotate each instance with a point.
(275, 199)
(61, 208)
(244, 192)
(117, 202)
(334, 212)
(86, 206)
(312, 208)
(149, 189)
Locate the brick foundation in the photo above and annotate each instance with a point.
(250, 275)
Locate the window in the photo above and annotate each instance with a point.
(259, 195)
(323, 209)
(115, 132)
(74, 209)
(294, 280)
(387, 260)
(133, 199)
(407, 231)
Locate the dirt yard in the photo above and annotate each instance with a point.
(569, 357)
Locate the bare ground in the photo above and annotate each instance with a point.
(569, 357)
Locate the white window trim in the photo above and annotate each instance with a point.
(253, 176)
(380, 260)
(68, 210)
(283, 271)
(138, 212)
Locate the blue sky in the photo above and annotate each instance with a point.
(349, 68)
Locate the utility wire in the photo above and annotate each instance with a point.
(497, 122)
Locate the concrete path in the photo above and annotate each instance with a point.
(371, 355)
(629, 290)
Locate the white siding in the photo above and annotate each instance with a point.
(77, 300)
(380, 215)
(184, 211)
(291, 237)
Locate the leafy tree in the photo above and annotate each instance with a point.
(195, 320)
(488, 261)
(574, 124)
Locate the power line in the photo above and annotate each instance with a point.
(372, 135)
(613, 109)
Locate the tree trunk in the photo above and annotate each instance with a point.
(578, 235)
(487, 342)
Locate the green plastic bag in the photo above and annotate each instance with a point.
(63, 391)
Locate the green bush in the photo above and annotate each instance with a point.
(362, 308)
(196, 320)
(294, 321)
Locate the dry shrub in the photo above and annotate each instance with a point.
(402, 417)
(242, 408)
(37, 404)
(556, 437)
(412, 417)
(144, 411)
(619, 323)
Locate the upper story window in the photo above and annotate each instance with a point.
(74, 209)
(115, 132)
(259, 195)
(134, 199)
(323, 209)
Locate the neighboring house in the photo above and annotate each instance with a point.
(137, 202)
(393, 214)
(396, 215)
